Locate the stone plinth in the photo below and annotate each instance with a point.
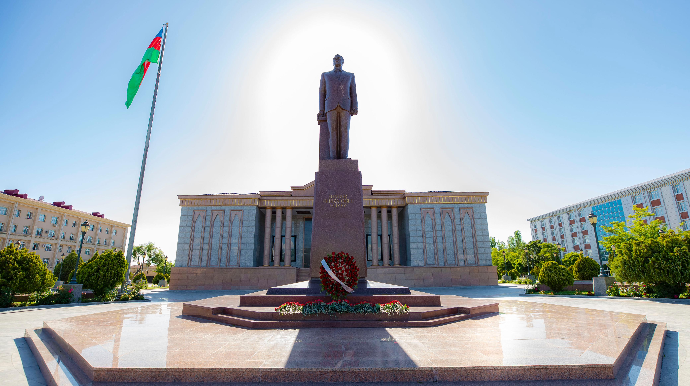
(76, 291)
(214, 278)
(601, 284)
(338, 222)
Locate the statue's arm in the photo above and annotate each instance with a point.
(354, 109)
(322, 95)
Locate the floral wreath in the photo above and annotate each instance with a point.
(344, 267)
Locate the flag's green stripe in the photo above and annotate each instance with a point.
(151, 55)
(134, 83)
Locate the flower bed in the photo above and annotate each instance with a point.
(393, 308)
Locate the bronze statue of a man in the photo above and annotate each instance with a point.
(337, 103)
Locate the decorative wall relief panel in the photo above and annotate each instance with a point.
(234, 238)
(469, 236)
(215, 236)
(196, 238)
(450, 243)
(429, 237)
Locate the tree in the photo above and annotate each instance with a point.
(555, 276)
(102, 273)
(23, 272)
(647, 252)
(569, 259)
(65, 269)
(585, 268)
(148, 254)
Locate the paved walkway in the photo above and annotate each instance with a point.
(18, 366)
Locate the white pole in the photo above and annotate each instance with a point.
(130, 245)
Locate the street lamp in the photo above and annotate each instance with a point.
(84, 228)
(529, 270)
(62, 262)
(593, 221)
(505, 271)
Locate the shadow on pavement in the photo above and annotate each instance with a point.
(669, 364)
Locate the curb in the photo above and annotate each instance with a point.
(36, 308)
(656, 300)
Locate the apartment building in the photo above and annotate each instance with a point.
(666, 197)
(52, 230)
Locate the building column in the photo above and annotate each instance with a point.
(267, 236)
(288, 237)
(396, 245)
(384, 236)
(277, 236)
(374, 236)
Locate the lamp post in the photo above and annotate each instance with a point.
(529, 270)
(84, 228)
(62, 263)
(593, 221)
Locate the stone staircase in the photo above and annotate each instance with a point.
(303, 274)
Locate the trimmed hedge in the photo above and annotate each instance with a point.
(102, 273)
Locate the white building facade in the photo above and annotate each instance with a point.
(666, 197)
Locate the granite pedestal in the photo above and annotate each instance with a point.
(338, 221)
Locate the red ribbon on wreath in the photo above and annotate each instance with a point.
(344, 267)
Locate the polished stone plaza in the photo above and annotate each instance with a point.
(550, 335)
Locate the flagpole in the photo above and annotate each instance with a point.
(130, 246)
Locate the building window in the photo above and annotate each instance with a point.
(71, 237)
(2, 226)
(98, 241)
(25, 230)
(54, 220)
(14, 228)
(49, 247)
(34, 247)
(45, 261)
(677, 189)
(62, 235)
(114, 232)
(69, 249)
(100, 229)
(638, 199)
(65, 222)
(74, 224)
(112, 243)
(51, 233)
(3, 211)
(42, 218)
(17, 212)
(60, 248)
(22, 245)
(39, 231)
(89, 239)
(586, 238)
(682, 206)
(87, 252)
(106, 231)
(659, 211)
(685, 225)
(551, 220)
(29, 215)
(92, 227)
(655, 195)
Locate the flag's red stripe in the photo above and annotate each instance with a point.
(155, 43)
(146, 67)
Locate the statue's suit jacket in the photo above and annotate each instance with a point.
(337, 89)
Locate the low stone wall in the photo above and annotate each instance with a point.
(214, 278)
(434, 276)
(579, 285)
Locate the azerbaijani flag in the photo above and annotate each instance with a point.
(150, 56)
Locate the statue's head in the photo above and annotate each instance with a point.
(338, 61)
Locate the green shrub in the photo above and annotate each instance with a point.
(139, 278)
(514, 274)
(67, 267)
(158, 278)
(23, 272)
(555, 276)
(585, 268)
(6, 297)
(102, 273)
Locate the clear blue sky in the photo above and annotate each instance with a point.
(540, 103)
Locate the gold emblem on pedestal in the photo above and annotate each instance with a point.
(337, 200)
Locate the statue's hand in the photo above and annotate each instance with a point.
(320, 116)
(353, 111)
